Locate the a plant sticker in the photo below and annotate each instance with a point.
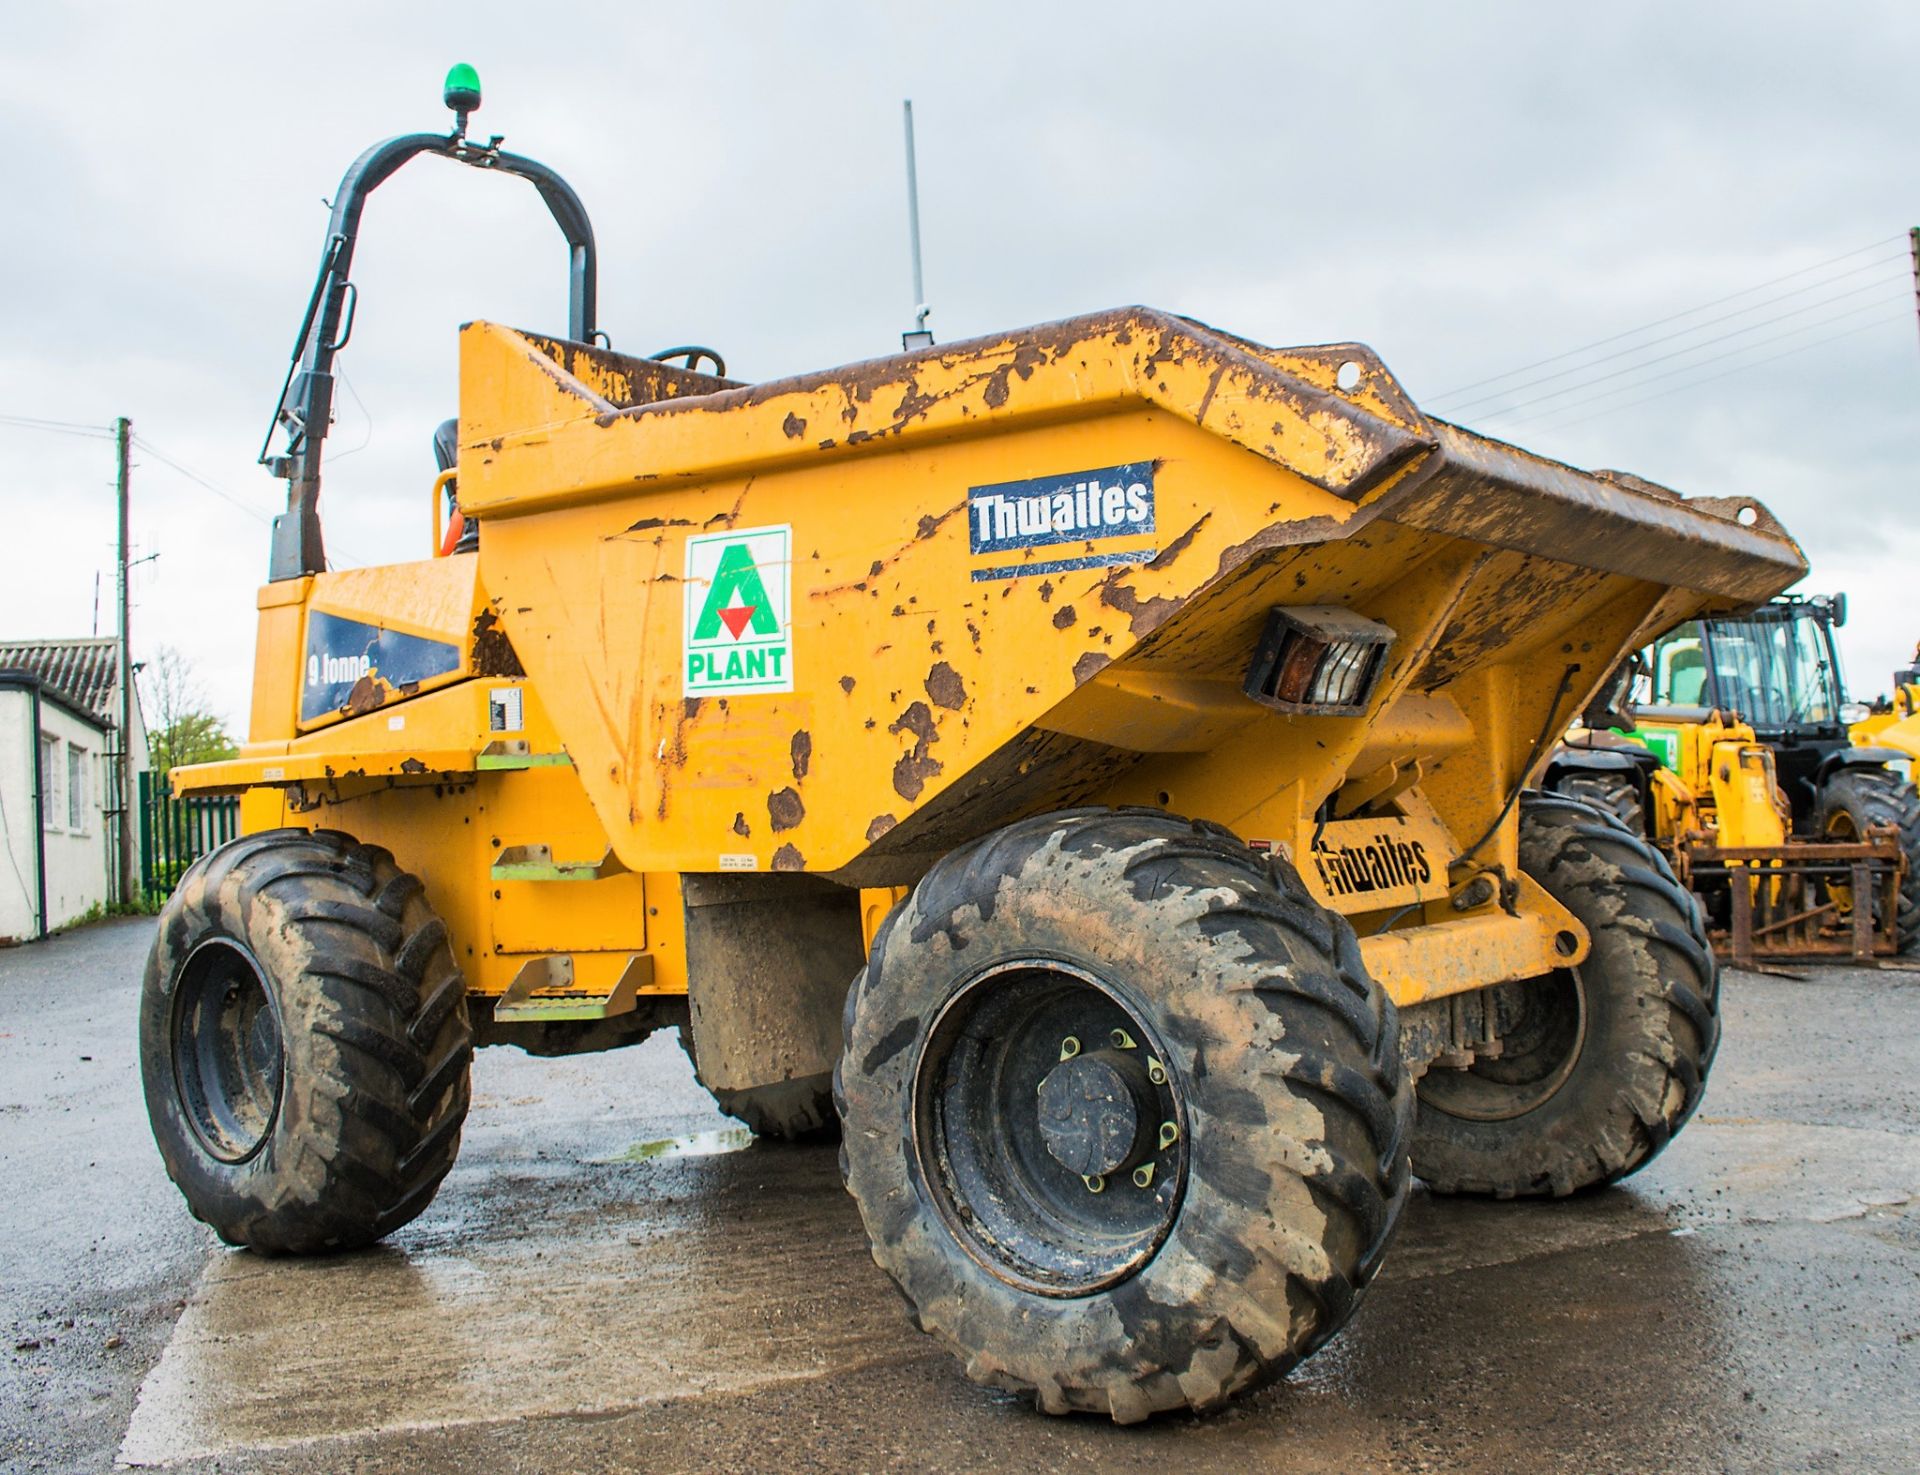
(739, 631)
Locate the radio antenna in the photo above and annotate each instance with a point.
(919, 335)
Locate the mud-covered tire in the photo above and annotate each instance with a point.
(1855, 798)
(1603, 1063)
(1289, 1171)
(1615, 793)
(329, 1111)
(800, 1110)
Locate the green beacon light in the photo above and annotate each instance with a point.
(462, 91)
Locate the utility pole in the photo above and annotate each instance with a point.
(122, 430)
(1913, 245)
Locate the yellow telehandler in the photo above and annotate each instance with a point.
(1088, 765)
(1895, 723)
(1732, 743)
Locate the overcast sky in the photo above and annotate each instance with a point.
(1469, 188)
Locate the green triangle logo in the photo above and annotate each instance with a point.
(737, 599)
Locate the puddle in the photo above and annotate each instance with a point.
(694, 1144)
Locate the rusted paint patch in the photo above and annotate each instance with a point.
(741, 827)
(1200, 415)
(945, 687)
(1179, 545)
(794, 426)
(801, 750)
(1144, 615)
(881, 824)
(1090, 665)
(365, 695)
(916, 766)
(493, 653)
(785, 809)
(1046, 590)
(412, 765)
(647, 524)
(787, 858)
(1064, 616)
(928, 526)
(847, 684)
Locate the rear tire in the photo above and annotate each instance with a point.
(304, 1043)
(1855, 798)
(799, 1110)
(1603, 1063)
(1195, 1225)
(1615, 793)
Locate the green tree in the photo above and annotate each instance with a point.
(180, 727)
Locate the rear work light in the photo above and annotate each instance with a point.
(1319, 659)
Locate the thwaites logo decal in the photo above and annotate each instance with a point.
(343, 653)
(1378, 863)
(739, 618)
(1084, 507)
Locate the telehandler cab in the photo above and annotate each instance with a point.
(1094, 757)
(1732, 743)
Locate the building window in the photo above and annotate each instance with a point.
(49, 782)
(77, 789)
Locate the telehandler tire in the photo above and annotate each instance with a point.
(1123, 1112)
(1855, 798)
(1616, 793)
(1603, 1062)
(304, 1043)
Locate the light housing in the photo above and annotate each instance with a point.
(1852, 712)
(1319, 659)
(461, 91)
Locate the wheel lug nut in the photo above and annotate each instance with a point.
(1069, 1047)
(1156, 1072)
(1143, 1176)
(1122, 1040)
(1169, 1134)
(1095, 1183)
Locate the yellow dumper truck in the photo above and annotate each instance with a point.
(1090, 762)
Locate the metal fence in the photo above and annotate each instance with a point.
(177, 831)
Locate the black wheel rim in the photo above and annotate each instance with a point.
(1542, 1026)
(227, 1056)
(1049, 1130)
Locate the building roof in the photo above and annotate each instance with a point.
(83, 671)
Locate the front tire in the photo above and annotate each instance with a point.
(304, 1043)
(1124, 1115)
(1603, 1063)
(1856, 798)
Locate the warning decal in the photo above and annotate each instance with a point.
(739, 632)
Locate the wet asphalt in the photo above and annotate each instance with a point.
(578, 1299)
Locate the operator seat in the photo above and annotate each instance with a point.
(446, 455)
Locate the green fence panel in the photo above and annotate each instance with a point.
(175, 831)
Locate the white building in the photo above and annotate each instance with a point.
(59, 802)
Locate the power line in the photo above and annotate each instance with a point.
(1728, 317)
(1631, 385)
(1704, 343)
(1670, 318)
(1723, 374)
(58, 427)
(195, 477)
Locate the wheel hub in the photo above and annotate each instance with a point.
(227, 1051)
(1059, 1169)
(1094, 1112)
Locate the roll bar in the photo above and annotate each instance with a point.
(306, 397)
